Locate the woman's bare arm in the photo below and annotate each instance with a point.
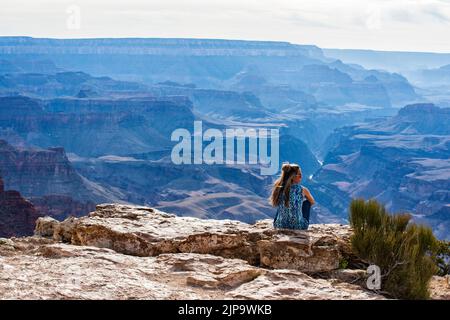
(308, 195)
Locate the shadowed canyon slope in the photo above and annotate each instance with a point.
(17, 215)
(402, 161)
(130, 159)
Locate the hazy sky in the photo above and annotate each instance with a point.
(405, 25)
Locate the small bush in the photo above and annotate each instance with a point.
(404, 251)
(442, 258)
(343, 263)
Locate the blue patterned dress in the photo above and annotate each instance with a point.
(291, 217)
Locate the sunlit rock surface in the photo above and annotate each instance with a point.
(125, 252)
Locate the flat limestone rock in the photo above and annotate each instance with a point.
(295, 285)
(44, 270)
(124, 252)
(440, 288)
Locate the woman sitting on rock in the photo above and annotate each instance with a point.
(293, 201)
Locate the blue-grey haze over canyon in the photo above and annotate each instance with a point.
(89, 121)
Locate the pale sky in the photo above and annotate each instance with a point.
(395, 25)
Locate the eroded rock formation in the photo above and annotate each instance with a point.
(125, 252)
(17, 215)
(143, 232)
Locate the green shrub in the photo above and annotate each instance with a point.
(442, 258)
(404, 251)
(343, 263)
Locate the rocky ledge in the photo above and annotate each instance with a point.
(125, 252)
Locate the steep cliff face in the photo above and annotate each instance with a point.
(17, 215)
(37, 172)
(156, 46)
(43, 172)
(112, 123)
(46, 178)
(147, 123)
(161, 256)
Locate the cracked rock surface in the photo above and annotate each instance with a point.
(126, 252)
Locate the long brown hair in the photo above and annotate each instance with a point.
(283, 184)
